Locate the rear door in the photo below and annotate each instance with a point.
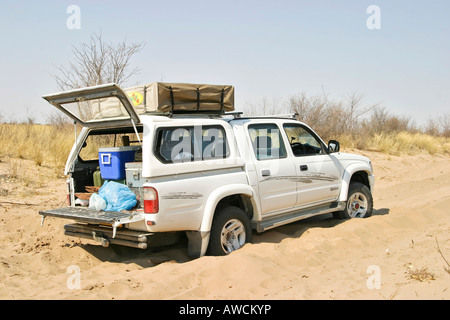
(275, 170)
(96, 106)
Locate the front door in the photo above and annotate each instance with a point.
(274, 169)
(318, 174)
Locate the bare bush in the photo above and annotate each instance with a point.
(432, 128)
(353, 113)
(381, 121)
(438, 126)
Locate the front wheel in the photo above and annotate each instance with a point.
(230, 230)
(359, 203)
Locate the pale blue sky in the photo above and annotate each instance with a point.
(270, 49)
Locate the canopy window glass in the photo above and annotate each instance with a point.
(98, 110)
(96, 106)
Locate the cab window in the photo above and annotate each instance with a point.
(302, 141)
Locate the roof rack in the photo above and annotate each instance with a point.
(185, 113)
(213, 114)
(238, 115)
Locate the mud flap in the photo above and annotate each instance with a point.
(198, 243)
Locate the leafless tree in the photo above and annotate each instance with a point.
(96, 62)
(354, 112)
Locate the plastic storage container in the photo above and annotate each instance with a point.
(112, 161)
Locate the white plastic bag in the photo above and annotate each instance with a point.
(96, 202)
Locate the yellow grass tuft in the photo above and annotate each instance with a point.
(408, 143)
(44, 144)
(421, 275)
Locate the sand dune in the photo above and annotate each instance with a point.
(375, 258)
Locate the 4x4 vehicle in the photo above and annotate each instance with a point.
(215, 176)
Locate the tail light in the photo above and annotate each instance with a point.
(151, 202)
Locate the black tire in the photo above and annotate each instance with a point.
(225, 220)
(359, 203)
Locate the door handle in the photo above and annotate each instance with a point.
(303, 167)
(265, 173)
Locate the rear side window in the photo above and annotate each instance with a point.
(189, 144)
(267, 141)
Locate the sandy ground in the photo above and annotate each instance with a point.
(401, 252)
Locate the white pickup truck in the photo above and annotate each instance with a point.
(217, 178)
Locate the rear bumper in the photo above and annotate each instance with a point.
(104, 235)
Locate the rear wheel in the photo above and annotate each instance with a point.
(230, 230)
(359, 203)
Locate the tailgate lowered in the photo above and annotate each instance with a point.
(85, 215)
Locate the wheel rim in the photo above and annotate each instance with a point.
(357, 205)
(232, 235)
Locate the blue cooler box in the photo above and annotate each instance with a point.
(112, 161)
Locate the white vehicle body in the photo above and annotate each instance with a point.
(252, 164)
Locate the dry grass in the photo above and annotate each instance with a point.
(44, 144)
(421, 275)
(408, 143)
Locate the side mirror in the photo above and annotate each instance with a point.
(333, 146)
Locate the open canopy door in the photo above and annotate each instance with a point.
(97, 106)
